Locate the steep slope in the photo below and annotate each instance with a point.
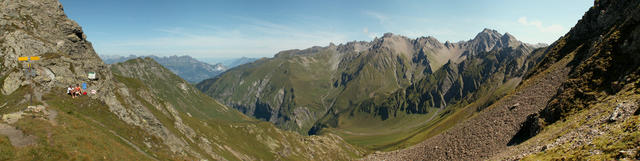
(578, 104)
(298, 87)
(223, 130)
(598, 105)
(169, 88)
(142, 112)
(185, 66)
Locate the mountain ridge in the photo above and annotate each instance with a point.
(389, 63)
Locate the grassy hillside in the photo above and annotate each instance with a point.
(226, 128)
(274, 89)
(171, 90)
(84, 128)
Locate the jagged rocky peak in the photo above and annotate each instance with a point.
(508, 37)
(490, 39)
(429, 42)
(448, 44)
(486, 40)
(396, 44)
(509, 40)
(356, 46)
(488, 35)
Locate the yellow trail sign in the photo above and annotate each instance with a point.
(35, 58)
(23, 58)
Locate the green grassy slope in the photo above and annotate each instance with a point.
(83, 129)
(173, 90)
(235, 135)
(273, 85)
(86, 129)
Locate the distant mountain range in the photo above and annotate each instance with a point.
(186, 67)
(228, 62)
(324, 86)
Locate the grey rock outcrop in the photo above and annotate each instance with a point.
(40, 28)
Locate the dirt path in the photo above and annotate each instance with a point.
(16, 137)
(52, 117)
(487, 133)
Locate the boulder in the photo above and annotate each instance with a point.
(12, 117)
(11, 83)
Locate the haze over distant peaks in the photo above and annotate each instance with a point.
(185, 66)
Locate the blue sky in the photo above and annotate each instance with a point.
(224, 29)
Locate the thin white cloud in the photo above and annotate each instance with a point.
(554, 28)
(373, 35)
(370, 35)
(382, 18)
(252, 37)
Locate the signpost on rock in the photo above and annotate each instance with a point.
(30, 73)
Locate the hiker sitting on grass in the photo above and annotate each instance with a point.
(70, 91)
(77, 90)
